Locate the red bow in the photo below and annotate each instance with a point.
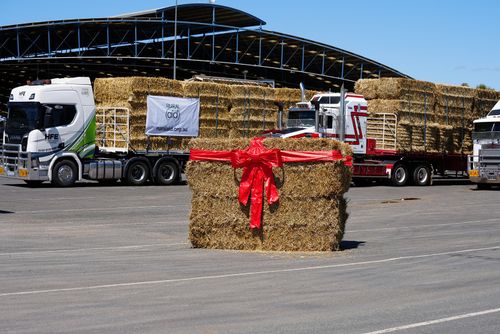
(257, 162)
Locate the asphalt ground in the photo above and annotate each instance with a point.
(96, 259)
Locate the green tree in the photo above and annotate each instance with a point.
(483, 86)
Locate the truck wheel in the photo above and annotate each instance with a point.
(64, 173)
(137, 173)
(399, 175)
(167, 173)
(422, 176)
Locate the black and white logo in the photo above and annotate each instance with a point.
(172, 112)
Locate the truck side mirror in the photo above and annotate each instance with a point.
(48, 118)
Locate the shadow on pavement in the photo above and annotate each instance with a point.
(350, 244)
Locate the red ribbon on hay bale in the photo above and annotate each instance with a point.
(257, 162)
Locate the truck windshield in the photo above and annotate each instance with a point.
(298, 118)
(487, 127)
(24, 117)
(487, 130)
(495, 112)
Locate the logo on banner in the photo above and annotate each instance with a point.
(172, 112)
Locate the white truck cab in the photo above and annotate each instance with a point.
(48, 120)
(484, 163)
(301, 119)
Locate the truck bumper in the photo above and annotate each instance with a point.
(482, 171)
(16, 164)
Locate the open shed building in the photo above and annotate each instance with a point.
(206, 39)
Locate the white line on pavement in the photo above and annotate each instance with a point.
(105, 209)
(427, 225)
(118, 248)
(276, 271)
(437, 321)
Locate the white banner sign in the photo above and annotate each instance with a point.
(172, 116)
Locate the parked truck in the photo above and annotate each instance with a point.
(484, 163)
(344, 116)
(50, 135)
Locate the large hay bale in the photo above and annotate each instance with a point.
(311, 213)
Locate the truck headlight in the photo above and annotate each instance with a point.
(35, 163)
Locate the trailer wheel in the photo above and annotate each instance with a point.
(422, 176)
(399, 175)
(167, 173)
(137, 173)
(64, 173)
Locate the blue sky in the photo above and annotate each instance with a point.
(442, 41)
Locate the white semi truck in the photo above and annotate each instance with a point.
(484, 163)
(50, 135)
(344, 116)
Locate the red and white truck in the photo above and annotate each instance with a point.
(344, 116)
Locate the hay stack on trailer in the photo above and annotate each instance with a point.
(215, 103)
(311, 213)
(131, 93)
(431, 117)
(253, 110)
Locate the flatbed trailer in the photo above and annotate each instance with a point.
(401, 168)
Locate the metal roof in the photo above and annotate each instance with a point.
(211, 39)
(202, 13)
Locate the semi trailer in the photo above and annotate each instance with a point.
(484, 163)
(50, 135)
(344, 116)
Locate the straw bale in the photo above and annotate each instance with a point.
(310, 215)
(212, 111)
(292, 144)
(484, 100)
(410, 111)
(368, 88)
(212, 132)
(205, 89)
(294, 225)
(221, 123)
(397, 89)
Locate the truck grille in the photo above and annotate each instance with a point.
(12, 157)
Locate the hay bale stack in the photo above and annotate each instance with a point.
(215, 103)
(454, 105)
(310, 216)
(396, 89)
(447, 112)
(253, 110)
(484, 100)
(131, 93)
(290, 96)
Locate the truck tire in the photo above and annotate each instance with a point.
(137, 173)
(399, 175)
(167, 173)
(64, 173)
(422, 176)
